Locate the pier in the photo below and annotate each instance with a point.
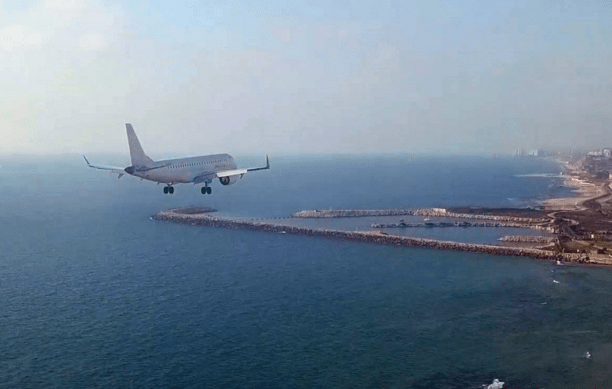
(206, 219)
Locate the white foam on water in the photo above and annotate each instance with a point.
(497, 384)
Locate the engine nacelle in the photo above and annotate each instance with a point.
(229, 180)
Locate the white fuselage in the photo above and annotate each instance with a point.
(184, 170)
(197, 170)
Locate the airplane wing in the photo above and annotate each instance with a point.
(261, 168)
(227, 173)
(208, 177)
(241, 172)
(116, 170)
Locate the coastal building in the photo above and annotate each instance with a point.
(439, 210)
(529, 153)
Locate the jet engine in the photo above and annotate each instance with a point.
(229, 180)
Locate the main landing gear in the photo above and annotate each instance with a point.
(206, 190)
(168, 189)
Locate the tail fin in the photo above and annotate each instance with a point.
(139, 158)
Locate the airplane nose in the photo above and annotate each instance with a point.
(129, 170)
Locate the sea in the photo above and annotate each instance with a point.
(95, 294)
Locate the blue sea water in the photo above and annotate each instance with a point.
(95, 294)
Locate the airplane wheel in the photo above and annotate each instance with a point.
(209, 190)
(203, 190)
(165, 190)
(171, 190)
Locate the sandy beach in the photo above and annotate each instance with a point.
(585, 190)
(575, 178)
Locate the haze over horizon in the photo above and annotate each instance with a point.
(285, 77)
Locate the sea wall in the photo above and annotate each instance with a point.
(462, 224)
(363, 236)
(528, 239)
(437, 212)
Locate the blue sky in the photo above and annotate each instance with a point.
(305, 77)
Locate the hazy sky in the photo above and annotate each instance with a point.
(197, 77)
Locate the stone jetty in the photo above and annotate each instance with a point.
(205, 219)
(528, 239)
(428, 212)
(463, 224)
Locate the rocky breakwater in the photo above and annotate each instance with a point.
(489, 220)
(463, 224)
(360, 236)
(429, 212)
(528, 239)
(336, 213)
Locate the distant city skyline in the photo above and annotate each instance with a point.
(343, 77)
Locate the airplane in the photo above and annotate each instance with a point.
(197, 170)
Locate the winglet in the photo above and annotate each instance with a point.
(261, 168)
(116, 170)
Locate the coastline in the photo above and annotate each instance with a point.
(574, 222)
(203, 219)
(584, 189)
(176, 215)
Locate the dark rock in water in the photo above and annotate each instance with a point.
(193, 210)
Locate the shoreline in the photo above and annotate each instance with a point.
(573, 222)
(204, 219)
(585, 190)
